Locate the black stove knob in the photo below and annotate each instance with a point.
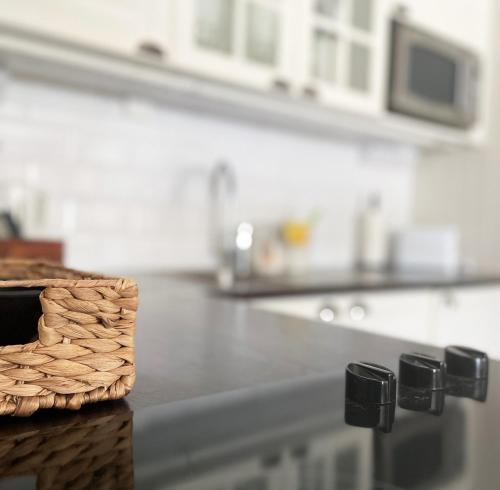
(422, 382)
(467, 373)
(466, 363)
(367, 382)
(370, 396)
(422, 372)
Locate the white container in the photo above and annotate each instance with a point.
(433, 248)
(372, 236)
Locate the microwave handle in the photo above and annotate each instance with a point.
(470, 90)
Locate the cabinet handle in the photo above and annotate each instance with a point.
(358, 312)
(281, 85)
(310, 92)
(450, 300)
(327, 314)
(152, 50)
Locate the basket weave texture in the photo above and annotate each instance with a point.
(81, 450)
(85, 347)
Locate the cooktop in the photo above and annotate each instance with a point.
(431, 425)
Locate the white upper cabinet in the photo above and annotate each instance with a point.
(331, 51)
(239, 41)
(117, 25)
(334, 53)
(341, 52)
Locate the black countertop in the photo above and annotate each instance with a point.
(341, 280)
(229, 397)
(190, 344)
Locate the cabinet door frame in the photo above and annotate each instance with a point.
(113, 25)
(338, 93)
(234, 67)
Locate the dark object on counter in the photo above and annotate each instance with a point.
(8, 226)
(32, 249)
(467, 372)
(370, 396)
(422, 381)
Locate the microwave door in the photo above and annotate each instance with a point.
(431, 78)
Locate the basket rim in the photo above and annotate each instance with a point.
(87, 279)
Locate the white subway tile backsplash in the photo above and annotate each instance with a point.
(128, 180)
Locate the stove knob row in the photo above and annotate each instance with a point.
(370, 397)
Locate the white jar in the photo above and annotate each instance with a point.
(372, 236)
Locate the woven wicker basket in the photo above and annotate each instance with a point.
(84, 350)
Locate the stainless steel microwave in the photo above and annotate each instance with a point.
(432, 78)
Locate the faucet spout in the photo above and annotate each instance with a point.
(222, 191)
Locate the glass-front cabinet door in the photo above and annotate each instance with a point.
(340, 52)
(241, 41)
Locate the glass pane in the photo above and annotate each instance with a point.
(262, 34)
(214, 24)
(441, 86)
(325, 55)
(359, 73)
(329, 8)
(362, 14)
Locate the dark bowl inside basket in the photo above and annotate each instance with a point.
(20, 310)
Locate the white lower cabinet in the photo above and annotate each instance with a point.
(467, 316)
(402, 314)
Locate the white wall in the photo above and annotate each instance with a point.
(128, 182)
(463, 186)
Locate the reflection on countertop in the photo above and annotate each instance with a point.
(91, 448)
(286, 436)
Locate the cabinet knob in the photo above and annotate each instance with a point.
(328, 314)
(464, 362)
(310, 92)
(358, 312)
(281, 85)
(151, 50)
(450, 300)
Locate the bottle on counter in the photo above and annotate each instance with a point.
(269, 255)
(372, 236)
